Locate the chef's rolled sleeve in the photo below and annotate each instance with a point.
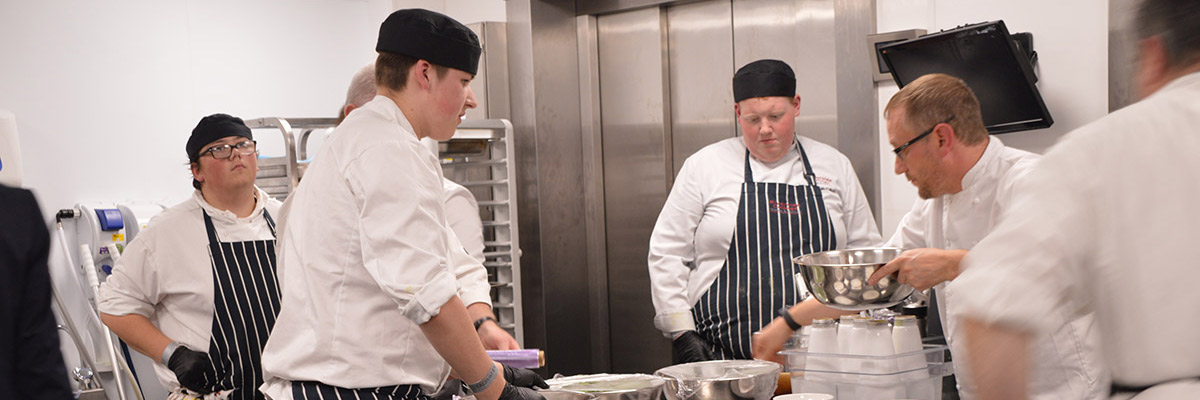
(404, 239)
(133, 286)
(472, 276)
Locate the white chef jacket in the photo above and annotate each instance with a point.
(1109, 219)
(365, 257)
(462, 213)
(165, 274)
(691, 238)
(1066, 364)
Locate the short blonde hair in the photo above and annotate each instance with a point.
(933, 98)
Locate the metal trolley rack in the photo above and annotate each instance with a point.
(478, 157)
(278, 176)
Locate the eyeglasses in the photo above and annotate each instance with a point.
(245, 147)
(899, 150)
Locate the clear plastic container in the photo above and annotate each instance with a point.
(823, 339)
(851, 381)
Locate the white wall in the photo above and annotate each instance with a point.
(1071, 38)
(106, 93)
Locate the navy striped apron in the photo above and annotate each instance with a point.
(246, 302)
(775, 222)
(309, 390)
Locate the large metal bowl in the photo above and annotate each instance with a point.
(611, 386)
(721, 380)
(565, 395)
(838, 278)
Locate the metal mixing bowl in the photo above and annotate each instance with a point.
(838, 278)
(611, 386)
(721, 380)
(565, 395)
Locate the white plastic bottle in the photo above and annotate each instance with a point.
(856, 345)
(845, 323)
(819, 375)
(879, 379)
(907, 340)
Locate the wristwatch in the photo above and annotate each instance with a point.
(787, 317)
(479, 322)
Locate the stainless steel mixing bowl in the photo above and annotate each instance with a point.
(565, 395)
(721, 380)
(838, 278)
(611, 386)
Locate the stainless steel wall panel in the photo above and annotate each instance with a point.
(857, 127)
(495, 45)
(593, 177)
(701, 72)
(596, 7)
(1122, 50)
(800, 33)
(544, 76)
(636, 140)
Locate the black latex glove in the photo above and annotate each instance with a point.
(524, 378)
(193, 369)
(690, 347)
(511, 392)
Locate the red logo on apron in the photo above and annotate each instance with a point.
(783, 208)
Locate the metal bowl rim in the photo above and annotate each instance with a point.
(797, 259)
(752, 363)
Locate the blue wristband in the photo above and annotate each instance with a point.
(485, 382)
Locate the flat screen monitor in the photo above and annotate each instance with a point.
(987, 59)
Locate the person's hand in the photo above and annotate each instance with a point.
(921, 268)
(766, 344)
(690, 347)
(193, 369)
(511, 392)
(496, 338)
(521, 377)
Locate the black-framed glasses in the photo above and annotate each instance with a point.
(220, 152)
(899, 150)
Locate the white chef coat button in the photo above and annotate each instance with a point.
(975, 201)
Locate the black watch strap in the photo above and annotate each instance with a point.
(787, 317)
(479, 322)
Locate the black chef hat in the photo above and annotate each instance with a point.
(214, 127)
(764, 78)
(430, 36)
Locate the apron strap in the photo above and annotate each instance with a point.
(208, 227)
(270, 221)
(808, 171)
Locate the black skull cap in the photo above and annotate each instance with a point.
(432, 37)
(764, 78)
(214, 127)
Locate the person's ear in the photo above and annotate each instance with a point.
(796, 104)
(422, 73)
(195, 167)
(945, 136)
(737, 111)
